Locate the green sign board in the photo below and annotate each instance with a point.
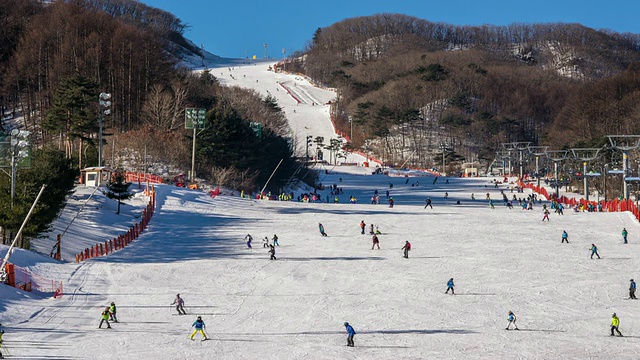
(194, 118)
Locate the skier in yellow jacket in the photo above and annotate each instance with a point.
(615, 322)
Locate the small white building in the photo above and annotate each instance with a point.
(96, 175)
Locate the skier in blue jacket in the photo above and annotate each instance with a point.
(594, 251)
(565, 236)
(350, 332)
(450, 286)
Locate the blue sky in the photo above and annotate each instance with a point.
(241, 28)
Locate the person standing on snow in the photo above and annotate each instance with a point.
(632, 289)
(249, 240)
(199, 327)
(624, 234)
(105, 318)
(350, 332)
(376, 241)
(321, 228)
(428, 201)
(371, 231)
(546, 215)
(179, 303)
(615, 322)
(450, 286)
(272, 252)
(565, 236)
(112, 312)
(594, 251)
(265, 242)
(362, 226)
(406, 248)
(512, 320)
(275, 240)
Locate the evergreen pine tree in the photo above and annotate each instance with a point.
(118, 189)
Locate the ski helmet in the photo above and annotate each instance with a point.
(346, 323)
(199, 317)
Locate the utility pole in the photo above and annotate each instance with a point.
(265, 50)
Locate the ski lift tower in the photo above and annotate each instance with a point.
(504, 155)
(520, 146)
(509, 148)
(538, 151)
(586, 155)
(625, 143)
(556, 156)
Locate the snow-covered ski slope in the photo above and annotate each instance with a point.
(294, 307)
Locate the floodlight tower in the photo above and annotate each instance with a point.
(265, 50)
(556, 156)
(538, 151)
(586, 155)
(624, 143)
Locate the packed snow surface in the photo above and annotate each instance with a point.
(294, 307)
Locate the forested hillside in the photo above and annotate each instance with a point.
(418, 86)
(56, 58)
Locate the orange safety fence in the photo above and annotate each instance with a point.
(142, 178)
(24, 279)
(123, 240)
(614, 205)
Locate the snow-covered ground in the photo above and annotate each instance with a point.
(294, 307)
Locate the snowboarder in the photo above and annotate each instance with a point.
(546, 215)
(249, 240)
(265, 242)
(272, 252)
(350, 333)
(624, 234)
(179, 303)
(362, 226)
(512, 320)
(275, 240)
(615, 322)
(450, 286)
(406, 248)
(565, 237)
(594, 251)
(200, 326)
(632, 290)
(428, 201)
(112, 312)
(105, 318)
(376, 241)
(321, 228)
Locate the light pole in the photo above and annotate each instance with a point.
(284, 59)
(105, 109)
(19, 150)
(265, 50)
(443, 147)
(309, 142)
